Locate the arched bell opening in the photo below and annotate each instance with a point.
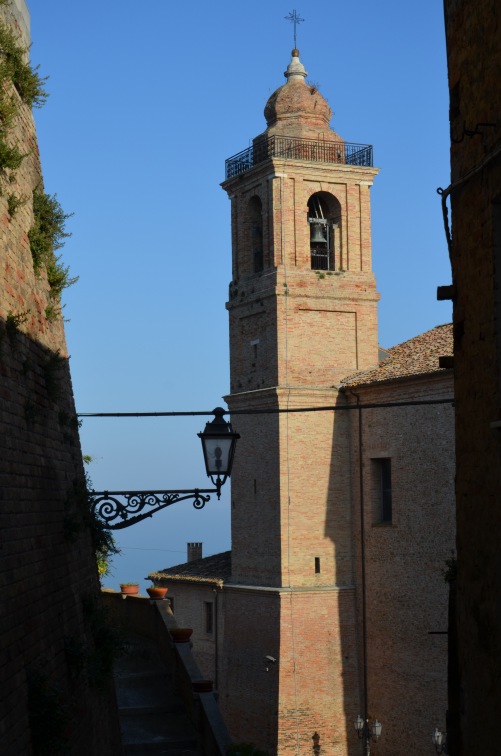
(324, 215)
(255, 233)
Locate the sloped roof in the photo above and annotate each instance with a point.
(418, 356)
(211, 569)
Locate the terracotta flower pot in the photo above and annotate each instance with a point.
(157, 592)
(181, 634)
(129, 589)
(202, 686)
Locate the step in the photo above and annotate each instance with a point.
(152, 718)
(149, 690)
(156, 728)
(160, 750)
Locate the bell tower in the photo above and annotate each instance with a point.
(303, 315)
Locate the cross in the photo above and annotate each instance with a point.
(295, 20)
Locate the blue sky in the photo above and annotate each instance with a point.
(146, 102)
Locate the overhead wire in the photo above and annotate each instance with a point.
(326, 408)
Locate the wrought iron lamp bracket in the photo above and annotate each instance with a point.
(120, 509)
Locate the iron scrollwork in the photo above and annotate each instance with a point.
(120, 509)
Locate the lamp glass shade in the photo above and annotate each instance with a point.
(437, 738)
(376, 728)
(218, 455)
(359, 723)
(218, 444)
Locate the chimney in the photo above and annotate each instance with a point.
(194, 551)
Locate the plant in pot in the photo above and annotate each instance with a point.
(156, 592)
(180, 634)
(202, 686)
(129, 589)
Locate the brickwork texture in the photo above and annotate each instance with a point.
(48, 577)
(296, 587)
(474, 69)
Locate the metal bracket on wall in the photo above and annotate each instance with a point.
(120, 509)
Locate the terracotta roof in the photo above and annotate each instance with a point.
(211, 569)
(418, 356)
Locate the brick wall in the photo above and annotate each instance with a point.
(296, 586)
(294, 333)
(188, 604)
(405, 558)
(47, 566)
(474, 67)
(290, 324)
(311, 687)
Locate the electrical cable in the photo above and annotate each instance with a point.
(327, 408)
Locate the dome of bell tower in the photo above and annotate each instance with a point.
(297, 108)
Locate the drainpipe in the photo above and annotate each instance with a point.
(362, 559)
(216, 639)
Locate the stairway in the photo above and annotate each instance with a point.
(152, 717)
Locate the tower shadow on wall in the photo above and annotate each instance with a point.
(50, 590)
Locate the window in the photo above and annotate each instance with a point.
(255, 221)
(496, 214)
(209, 617)
(382, 511)
(323, 218)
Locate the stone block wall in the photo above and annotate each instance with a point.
(49, 586)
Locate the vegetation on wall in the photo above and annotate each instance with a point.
(80, 516)
(14, 202)
(15, 68)
(46, 236)
(52, 368)
(13, 321)
(19, 83)
(104, 543)
(108, 642)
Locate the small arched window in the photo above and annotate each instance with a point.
(255, 219)
(323, 218)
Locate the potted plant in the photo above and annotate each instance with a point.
(129, 589)
(180, 634)
(202, 686)
(156, 592)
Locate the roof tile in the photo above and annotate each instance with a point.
(418, 356)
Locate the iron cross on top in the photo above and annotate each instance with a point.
(295, 20)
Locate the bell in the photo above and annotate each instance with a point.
(317, 233)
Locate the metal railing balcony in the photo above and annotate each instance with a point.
(295, 148)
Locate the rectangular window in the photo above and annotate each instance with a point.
(385, 465)
(381, 487)
(209, 617)
(496, 246)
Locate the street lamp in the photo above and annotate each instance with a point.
(439, 740)
(367, 731)
(120, 509)
(218, 444)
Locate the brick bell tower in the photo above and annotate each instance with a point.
(303, 315)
